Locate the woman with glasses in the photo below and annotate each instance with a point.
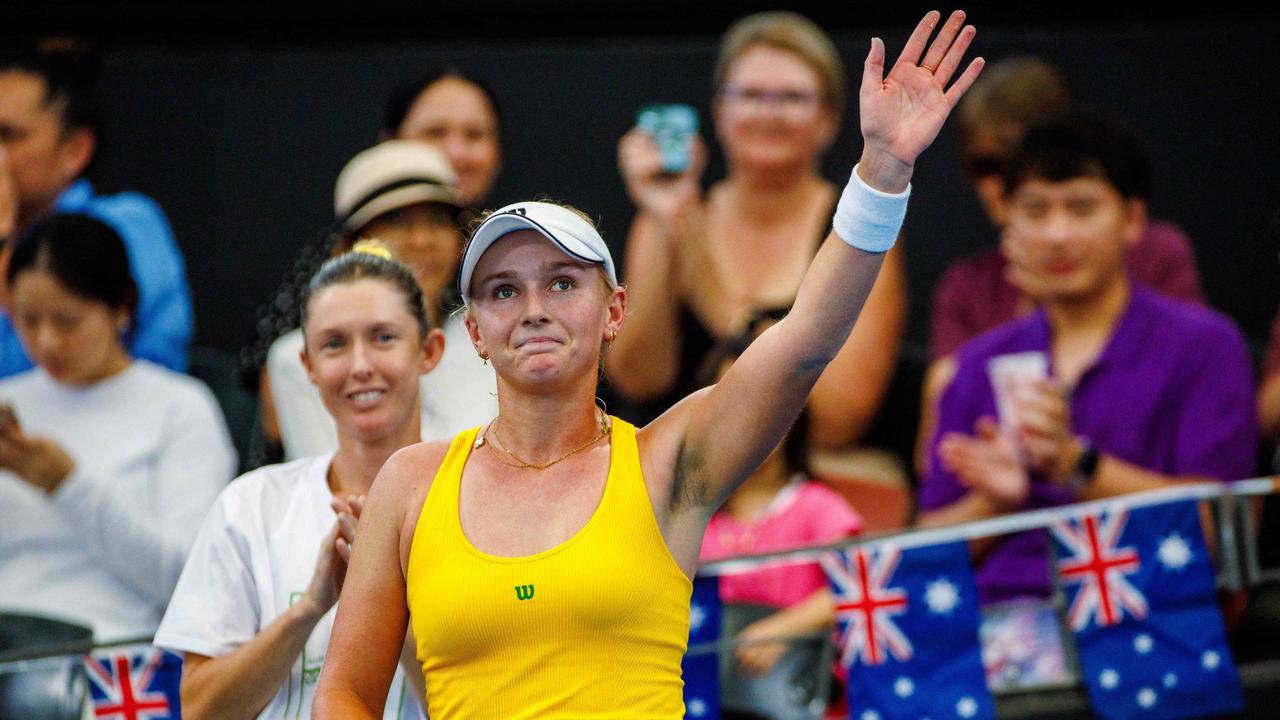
(701, 266)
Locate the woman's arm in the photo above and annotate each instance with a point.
(729, 428)
(369, 631)
(142, 540)
(645, 359)
(240, 683)
(848, 394)
(758, 655)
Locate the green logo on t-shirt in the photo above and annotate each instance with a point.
(524, 592)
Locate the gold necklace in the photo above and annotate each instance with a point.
(499, 447)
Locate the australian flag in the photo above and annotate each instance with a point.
(700, 667)
(137, 683)
(909, 632)
(1141, 601)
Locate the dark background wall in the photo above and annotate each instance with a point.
(238, 123)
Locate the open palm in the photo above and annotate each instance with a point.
(902, 113)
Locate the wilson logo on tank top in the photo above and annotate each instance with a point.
(524, 592)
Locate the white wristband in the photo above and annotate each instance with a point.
(867, 218)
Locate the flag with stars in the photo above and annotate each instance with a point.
(908, 624)
(134, 683)
(1141, 600)
(700, 666)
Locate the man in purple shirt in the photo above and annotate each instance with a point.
(1142, 391)
(975, 295)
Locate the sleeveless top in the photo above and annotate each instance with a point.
(594, 627)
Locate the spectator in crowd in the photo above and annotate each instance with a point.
(700, 270)
(458, 114)
(48, 135)
(400, 192)
(1141, 392)
(778, 507)
(975, 294)
(254, 607)
(109, 462)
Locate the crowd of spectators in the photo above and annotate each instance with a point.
(1073, 358)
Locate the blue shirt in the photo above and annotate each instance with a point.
(1171, 391)
(164, 322)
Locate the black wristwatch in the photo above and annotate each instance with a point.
(1086, 467)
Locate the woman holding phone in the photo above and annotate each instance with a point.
(107, 463)
(544, 560)
(253, 609)
(702, 268)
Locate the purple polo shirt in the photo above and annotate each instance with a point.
(973, 296)
(1172, 391)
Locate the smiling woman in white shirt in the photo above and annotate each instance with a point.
(107, 464)
(254, 607)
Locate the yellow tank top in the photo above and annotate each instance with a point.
(592, 628)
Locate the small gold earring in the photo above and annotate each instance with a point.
(484, 356)
(613, 335)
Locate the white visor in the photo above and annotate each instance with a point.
(564, 228)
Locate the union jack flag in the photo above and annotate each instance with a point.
(1100, 568)
(865, 606)
(136, 684)
(910, 622)
(1149, 635)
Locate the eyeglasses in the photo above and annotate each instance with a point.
(789, 101)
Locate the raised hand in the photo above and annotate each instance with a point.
(902, 113)
(668, 199)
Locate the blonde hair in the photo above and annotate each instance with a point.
(793, 33)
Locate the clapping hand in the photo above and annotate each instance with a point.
(987, 462)
(335, 552)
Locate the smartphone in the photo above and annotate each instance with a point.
(673, 127)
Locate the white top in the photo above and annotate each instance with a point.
(152, 452)
(458, 394)
(254, 557)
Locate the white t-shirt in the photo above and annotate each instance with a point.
(152, 453)
(253, 558)
(458, 394)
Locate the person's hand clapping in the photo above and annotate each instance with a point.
(987, 462)
(1044, 428)
(335, 552)
(669, 199)
(902, 113)
(348, 510)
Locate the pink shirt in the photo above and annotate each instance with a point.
(803, 513)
